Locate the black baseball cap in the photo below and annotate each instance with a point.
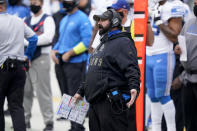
(2, 1)
(106, 15)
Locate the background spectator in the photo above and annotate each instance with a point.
(38, 76)
(17, 8)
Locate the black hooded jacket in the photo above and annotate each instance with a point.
(113, 64)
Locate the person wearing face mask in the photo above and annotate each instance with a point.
(121, 6)
(38, 76)
(70, 50)
(125, 9)
(17, 8)
(58, 68)
(113, 77)
(85, 6)
(188, 77)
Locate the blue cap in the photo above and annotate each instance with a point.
(120, 4)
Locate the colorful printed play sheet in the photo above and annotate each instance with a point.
(74, 112)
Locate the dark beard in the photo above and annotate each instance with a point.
(104, 30)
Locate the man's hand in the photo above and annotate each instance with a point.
(77, 97)
(53, 55)
(177, 50)
(39, 33)
(176, 83)
(133, 97)
(66, 56)
(157, 15)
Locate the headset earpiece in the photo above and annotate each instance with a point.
(116, 18)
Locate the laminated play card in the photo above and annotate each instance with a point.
(74, 112)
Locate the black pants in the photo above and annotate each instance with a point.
(74, 74)
(176, 96)
(12, 86)
(59, 71)
(189, 99)
(131, 114)
(103, 118)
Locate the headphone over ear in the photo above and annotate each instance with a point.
(116, 18)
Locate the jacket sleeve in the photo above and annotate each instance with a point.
(81, 89)
(85, 35)
(126, 58)
(29, 52)
(49, 31)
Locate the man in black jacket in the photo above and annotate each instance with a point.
(113, 77)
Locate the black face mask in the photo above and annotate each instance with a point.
(103, 30)
(68, 6)
(35, 8)
(13, 2)
(195, 10)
